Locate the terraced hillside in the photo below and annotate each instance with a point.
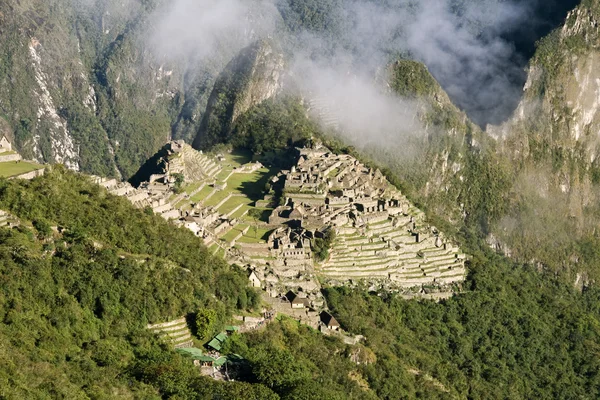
(389, 251)
(380, 237)
(175, 332)
(275, 222)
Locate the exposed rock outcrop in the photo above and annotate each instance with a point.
(252, 77)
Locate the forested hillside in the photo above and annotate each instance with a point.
(84, 273)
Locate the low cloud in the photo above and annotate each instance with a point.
(199, 29)
(463, 43)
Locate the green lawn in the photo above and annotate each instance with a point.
(239, 181)
(241, 211)
(229, 236)
(223, 174)
(202, 193)
(232, 203)
(12, 168)
(261, 235)
(217, 197)
(236, 230)
(238, 157)
(192, 186)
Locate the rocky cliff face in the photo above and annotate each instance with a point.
(80, 86)
(551, 145)
(252, 77)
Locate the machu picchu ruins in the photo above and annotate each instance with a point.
(269, 220)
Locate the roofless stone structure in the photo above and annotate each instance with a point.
(381, 239)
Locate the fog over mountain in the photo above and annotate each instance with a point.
(477, 50)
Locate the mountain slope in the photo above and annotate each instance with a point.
(252, 77)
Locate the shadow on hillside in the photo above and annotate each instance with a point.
(256, 190)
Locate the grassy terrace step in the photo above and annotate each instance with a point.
(239, 213)
(12, 168)
(234, 232)
(374, 246)
(377, 224)
(357, 257)
(457, 271)
(231, 204)
(380, 228)
(458, 276)
(440, 263)
(216, 198)
(358, 269)
(180, 339)
(202, 194)
(365, 264)
(405, 256)
(192, 187)
(212, 172)
(450, 256)
(354, 251)
(223, 174)
(176, 333)
(383, 272)
(370, 265)
(346, 259)
(356, 241)
(160, 326)
(220, 252)
(174, 328)
(367, 246)
(230, 235)
(434, 251)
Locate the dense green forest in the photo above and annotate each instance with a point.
(74, 304)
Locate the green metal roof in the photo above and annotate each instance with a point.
(215, 344)
(221, 337)
(232, 328)
(192, 352)
(220, 361)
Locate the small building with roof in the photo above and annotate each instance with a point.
(329, 321)
(296, 301)
(217, 341)
(254, 280)
(231, 329)
(5, 145)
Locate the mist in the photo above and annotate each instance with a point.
(477, 50)
(197, 30)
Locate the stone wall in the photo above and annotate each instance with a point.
(10, 157)
(30, 175)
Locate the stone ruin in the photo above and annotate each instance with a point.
(382, 240)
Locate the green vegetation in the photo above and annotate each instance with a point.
(412, 79)
(271, 129)
(515, 333)
(12, 168)
(321, 246)
(75, 304)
